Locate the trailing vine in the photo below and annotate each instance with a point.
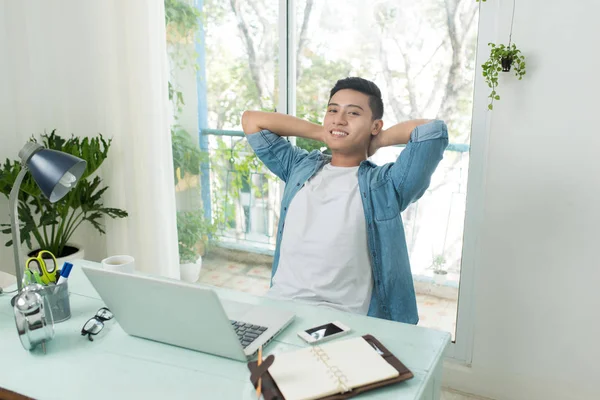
(502, 58)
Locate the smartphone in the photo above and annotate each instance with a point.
(325, 332)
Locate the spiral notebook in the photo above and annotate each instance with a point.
(336, 370)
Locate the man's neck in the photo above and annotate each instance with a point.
(346, 160)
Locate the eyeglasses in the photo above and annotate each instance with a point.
(95, 324)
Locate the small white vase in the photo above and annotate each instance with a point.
(190, 272)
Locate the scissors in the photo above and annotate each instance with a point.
(40, 270)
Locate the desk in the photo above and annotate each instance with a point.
(124, 367)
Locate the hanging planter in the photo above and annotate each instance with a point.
(506, 63)
(501, 59)
(182, 21)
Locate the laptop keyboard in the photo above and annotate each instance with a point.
(247, 333)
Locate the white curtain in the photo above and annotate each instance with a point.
(89, 67)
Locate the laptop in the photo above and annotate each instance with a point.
(187, 315)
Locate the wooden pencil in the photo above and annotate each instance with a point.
(259, 385)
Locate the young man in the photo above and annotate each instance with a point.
(341, 239)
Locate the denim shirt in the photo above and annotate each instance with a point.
(386, 191)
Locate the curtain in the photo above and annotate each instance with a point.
(99, 67)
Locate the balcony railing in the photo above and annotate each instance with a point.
(238, 189)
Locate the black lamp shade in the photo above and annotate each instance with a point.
(48, 167)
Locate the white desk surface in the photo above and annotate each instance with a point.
(124, 367)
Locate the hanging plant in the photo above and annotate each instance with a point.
(501, 59)
(182, 21)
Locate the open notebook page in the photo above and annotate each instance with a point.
(303, 375)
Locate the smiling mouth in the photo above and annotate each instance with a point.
(337, 133)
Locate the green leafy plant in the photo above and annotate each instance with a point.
(187, 156)
(52, 225)
(438, 264)
(502, 58)
(194, 233)
(176, 96)
(182, 20)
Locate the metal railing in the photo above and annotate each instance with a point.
(251, 216)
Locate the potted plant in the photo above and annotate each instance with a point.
(194, 230)
(193, 233)
(439, 272)
(502, 58)
(53, 225)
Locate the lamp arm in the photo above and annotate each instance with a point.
(13, 209)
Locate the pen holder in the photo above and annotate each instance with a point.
(58, 300)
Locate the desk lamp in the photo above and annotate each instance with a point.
(55, 173)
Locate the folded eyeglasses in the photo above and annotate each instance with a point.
(95, 324)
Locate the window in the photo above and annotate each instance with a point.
(230, 66)
(286, 56)
(422, 57)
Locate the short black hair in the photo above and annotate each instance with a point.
(364, 86)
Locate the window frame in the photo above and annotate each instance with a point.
(460, 350)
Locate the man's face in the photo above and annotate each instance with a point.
(349, 122)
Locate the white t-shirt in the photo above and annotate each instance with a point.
(324, 256)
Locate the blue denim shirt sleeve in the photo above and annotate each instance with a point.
(276, 152)
(412, 171)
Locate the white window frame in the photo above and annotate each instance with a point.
(459, 351)
(287, 58)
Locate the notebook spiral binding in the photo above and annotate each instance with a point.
(332, 371)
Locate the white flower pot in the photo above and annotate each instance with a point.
(79, 255)
(439, 277)
(190, 272)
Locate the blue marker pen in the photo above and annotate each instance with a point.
(64, 272)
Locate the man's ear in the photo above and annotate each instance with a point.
(377, 126)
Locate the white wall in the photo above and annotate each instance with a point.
(537, 318)
(42, 87)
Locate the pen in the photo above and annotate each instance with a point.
(64, 272)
